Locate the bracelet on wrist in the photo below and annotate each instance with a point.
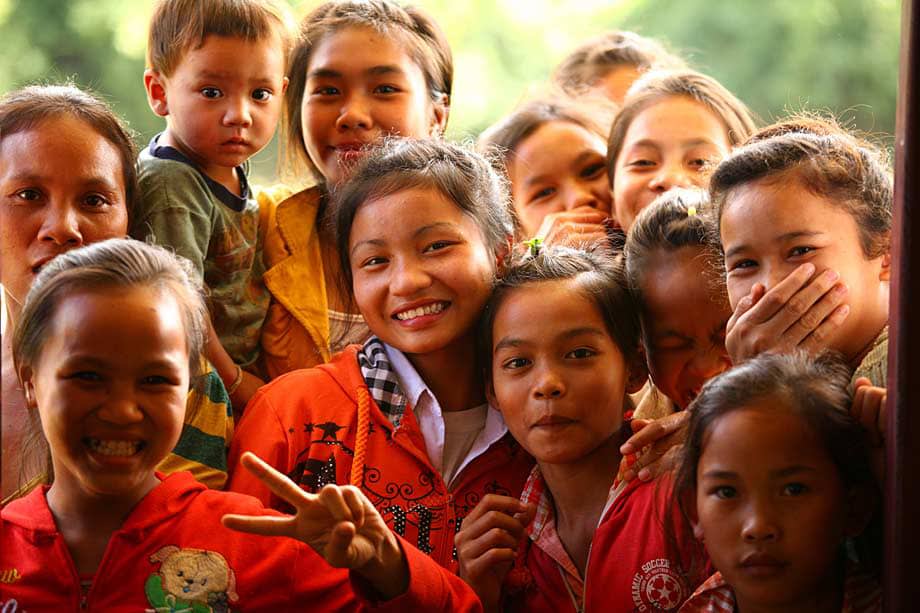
(236, 382)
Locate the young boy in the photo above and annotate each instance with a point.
(216, 72)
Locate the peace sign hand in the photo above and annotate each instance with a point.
(339, 523)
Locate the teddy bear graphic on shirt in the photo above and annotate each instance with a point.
(190, 580)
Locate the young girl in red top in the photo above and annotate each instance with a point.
(421, 227)
(775, 476)
(563, 340)
(108, 340)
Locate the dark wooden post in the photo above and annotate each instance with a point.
(902, 496)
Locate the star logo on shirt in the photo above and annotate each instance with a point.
(329, 430)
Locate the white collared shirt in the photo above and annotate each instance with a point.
(430, 418)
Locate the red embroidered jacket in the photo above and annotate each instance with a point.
(172, 554)
(322, 425)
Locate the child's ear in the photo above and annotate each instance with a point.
(440, 110)
(503, 254)
(155, 85)
(28, 388)
(284, 85)
(885, 274)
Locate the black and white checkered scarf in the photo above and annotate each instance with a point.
(381, 380)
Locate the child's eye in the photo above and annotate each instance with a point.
(801, 250)
(641, 163)
(581, 353)
(742, 264)
(673, 343)
(593, 170)
(546, 192)
(88, 376)
(437, 246)
(515, 363)
(699, 163)
(386, 89)
(262, 95)
(29, 195)
(794, 489)
(326, 91)
(374, 261)
(211, 92)
(725, 492)
(157, 380)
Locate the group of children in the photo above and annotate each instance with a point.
(627, 353)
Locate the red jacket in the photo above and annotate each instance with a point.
(310, 425)
(172, 553)
(630, 566)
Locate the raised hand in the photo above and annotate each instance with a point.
(801, 311)
(339, 523)
(580, 227)
(659, 440)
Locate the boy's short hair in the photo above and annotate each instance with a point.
(179, 25)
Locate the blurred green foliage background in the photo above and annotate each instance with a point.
(777, 55)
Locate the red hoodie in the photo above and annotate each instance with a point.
(173, 554)
(310, 425)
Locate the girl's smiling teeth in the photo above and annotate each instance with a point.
(429, 309)
(111, 447)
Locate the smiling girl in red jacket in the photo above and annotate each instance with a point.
(421, 228)
(106, 345)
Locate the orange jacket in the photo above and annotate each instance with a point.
(321, 426)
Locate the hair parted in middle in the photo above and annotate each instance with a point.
(28, 107)
(463, 176)
(657, 85)
(679, 218)
(425, 43)
(596, 273)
